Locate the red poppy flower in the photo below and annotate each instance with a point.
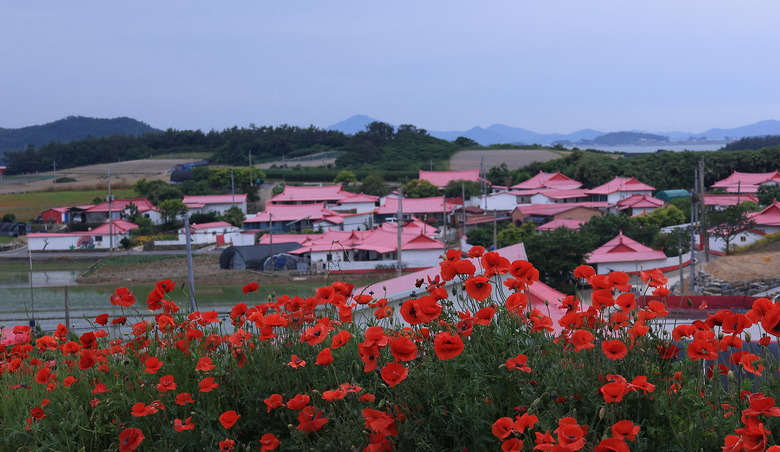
(296, 362)
(771, 320)
(447, 346)
(99, 388)
(614, 391)
(526, 421)
(380, 422)
(394, 373)
(141, 409)
(207, 384)
(310, 420)
(268, 441)
(584, 271)
(512, 445)
(612, 445)
(614, 349)
(494, 264)
(226, 445)
(641, 382)
(181, 426)
(251, 287)
(582, 339)
(518, 363)
(324, 358)
(69, 380)
(166, 383)
(524, 271)
(570, 434)
(152, 364)
(298, 402)
(184, 398)
(516, 303)
(229, 418)
(702, 349)
(272, 402)
(102, 319)
(478, 287)
(204, 364)
(761, 404)
(625, 430)
(130, 439)
(503, 427)
(403, 348)
(341, 338)
(122, 297)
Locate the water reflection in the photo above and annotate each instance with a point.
(48, 278)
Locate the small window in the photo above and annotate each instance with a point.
(330, 257)
(98, 238)
(743, 239)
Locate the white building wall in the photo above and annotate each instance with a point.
(221, 208)
(360, 207)
(613, 198)
(64, 243)
(634, 266)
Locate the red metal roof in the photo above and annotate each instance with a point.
(290, 212)
(561, 223)
(620, 184)
(728, 200)
(213, 224)
(143, 204)
(554, 209)
(326, 193)
(413, 206)
(623, 249)
(639, 201)
(769, 216)
(199, 201)
(548, 180)
(746, 182)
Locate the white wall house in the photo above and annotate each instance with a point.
(215, 203)
(99, 238)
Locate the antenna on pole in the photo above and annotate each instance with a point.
(399, 222)
(190, 272)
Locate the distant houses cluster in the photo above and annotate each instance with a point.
(329, 228)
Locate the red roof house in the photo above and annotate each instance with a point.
(548, 180)
(768, 220)
(620, 188)
(561, 223)
(747, 182)
(639, 204)
(328, 194)
(724, 201)
(625, 254)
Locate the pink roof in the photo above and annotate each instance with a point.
(623, 249)
(746, 182)
(143, 204)
(561, 223)
(290, 212)
(200, 201)
(119, 227)
(639, 202)
(769, 216)
(728, 200)
(326, 193)
(620, 184)
(548, 180)
(265, 239)
(360, 197)
(554, 209)
(442, 178)
(379, 240)
(412, 225)
(213, 224)
(413, 206)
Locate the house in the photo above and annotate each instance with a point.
(619, 188)
(639, 204)
(362, 251)
(441, 178)
(747, 182)
(424, 208)
(102, 237)
(720, 202)
(213, 233)
(768, 220)
(625, 254)
(214, 203)
(544, 213)
(118, 209)
(329, 195)
(56, 215)
(574, 225)
(359, 203)
(401, 288)
(508, 200)
(338, 221)
(282, 218)
(548, 180)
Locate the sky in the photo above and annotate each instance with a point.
(546, 66)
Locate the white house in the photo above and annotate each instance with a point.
(215, 203)
(96, 238)
(619, 188)
(626, 255)
(639, 204)
(747, 182)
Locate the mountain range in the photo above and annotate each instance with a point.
(503, 134)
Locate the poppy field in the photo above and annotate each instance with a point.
(473, 365)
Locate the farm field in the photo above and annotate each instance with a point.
(122, 174)
(514, 158)
(27, 206)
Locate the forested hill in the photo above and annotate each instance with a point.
(70, 129)
(380, 147)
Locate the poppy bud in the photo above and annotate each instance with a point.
(602, 412)
(502, 366)
(748, 337)
(546, 303)
(382, 403)
(721, 336)
(730, 375)
(290, 426)
(689, 303)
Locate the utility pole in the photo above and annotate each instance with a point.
(692, 285)
(495, 231)
(271, 239)
(463, 223)
(232, 188)
(110, 220)
(32, 296)
(444, 220)
(190, 272)
(251, 182)
(702, 210)
(679, 260)
(399, 223)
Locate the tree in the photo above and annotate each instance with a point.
(454, 190)
(465, 142)
(556, 253)
(234, 216)
(668, 215)
(157, 191)
(512, 234)
(420, 188)
(345, 177)
(499, 175)
(172, 209)
(728, 223)
(768, 193)
(374, 185)
(9, 218)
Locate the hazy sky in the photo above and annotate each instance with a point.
(548, 66)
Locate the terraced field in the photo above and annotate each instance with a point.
(514, 158)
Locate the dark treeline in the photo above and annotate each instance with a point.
(663, 170)
(753, 143)
(379, 147)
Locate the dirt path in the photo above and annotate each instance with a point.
(514, 158)
(744, 267)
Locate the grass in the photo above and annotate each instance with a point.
(759, 244)
(184, 155)
(28, 206)
(6, 239)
